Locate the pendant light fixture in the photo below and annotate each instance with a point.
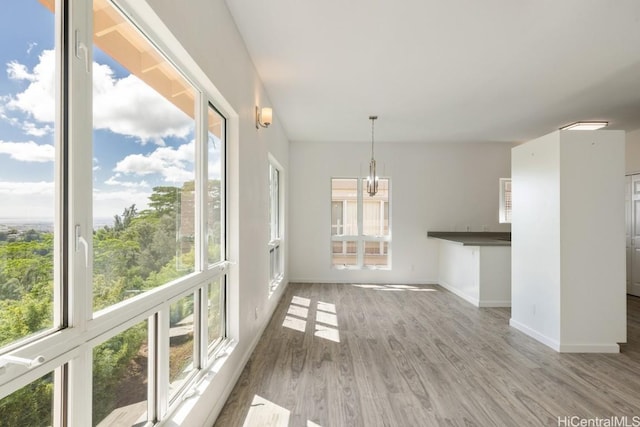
(372, 179)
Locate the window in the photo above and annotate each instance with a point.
(143, 179)
(113, 242)
(215, 313)
(275, 218)
(360, 226)
(31, 405)
(505, 201)
(215, 191)
(120, 367)
(29, 158)
(182, 346)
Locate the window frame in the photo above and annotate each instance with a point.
(505, 201)
(67, 348)
(360, 239)
(275, 245)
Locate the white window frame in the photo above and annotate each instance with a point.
(67, 350)
(360, 238)
(276, 225)
(504, 210)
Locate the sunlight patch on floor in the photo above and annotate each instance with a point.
(326, 321)
(395, 288)
(264, 413)
(300, 301)
(294, 323)
(296, 310)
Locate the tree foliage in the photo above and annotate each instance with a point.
(140, 251)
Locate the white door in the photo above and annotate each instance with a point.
(633, 227)
(628, 227)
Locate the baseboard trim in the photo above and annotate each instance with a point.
(590, 348)
(494, 303)
(459, 293)
(535, 334)
(360, 282)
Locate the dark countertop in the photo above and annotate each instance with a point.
(470, 238)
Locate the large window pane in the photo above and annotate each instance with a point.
(275, 257)
(181, 344)
(215, 316)
(375, 210)
(344, 206)
(144, 149)
(120, 378)
(376, 254)
(360, 227)
(32, 405)
(345, 253)
(215, 206)
(28, 87)
(274, 202)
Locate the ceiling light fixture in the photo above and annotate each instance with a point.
(372, 179)
(585, 126)
(264, 117)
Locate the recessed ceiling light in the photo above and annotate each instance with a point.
(585, 126)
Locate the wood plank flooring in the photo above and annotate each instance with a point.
(348, 355)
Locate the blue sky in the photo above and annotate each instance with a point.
(140, 139)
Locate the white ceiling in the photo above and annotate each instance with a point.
(444, 70)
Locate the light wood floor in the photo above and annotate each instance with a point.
(420, 356)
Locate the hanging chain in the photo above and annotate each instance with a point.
(372, 118)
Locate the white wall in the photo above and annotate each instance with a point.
(495, 276)
(592, 243)
(632, 152)
(433, 187)
(535, 241)
(568, 256)
(208, 33)
(459, 270)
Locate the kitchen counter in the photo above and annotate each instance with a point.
(476, 266)
(470, 238)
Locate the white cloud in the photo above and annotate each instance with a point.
(31, 46)
(26, 188)
(106, 204)
(128, 184)
(38, 99)
(34, 130)
(126, 106)
(130, 107)
(28, 151)
(35, 200)
(174, 164)
(27, 200)
(17, 71)
(214, 169)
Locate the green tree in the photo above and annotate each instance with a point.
(164, 201)
(32, 405)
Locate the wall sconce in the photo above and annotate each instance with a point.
(264, 117)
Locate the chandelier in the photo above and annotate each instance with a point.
(372, 179)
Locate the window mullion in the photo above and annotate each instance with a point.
(224, 251)
(202, 331)
(79, 400)
(201, 184)
(152, 369)
(162, 363)
(78, 202)
(79, 158)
